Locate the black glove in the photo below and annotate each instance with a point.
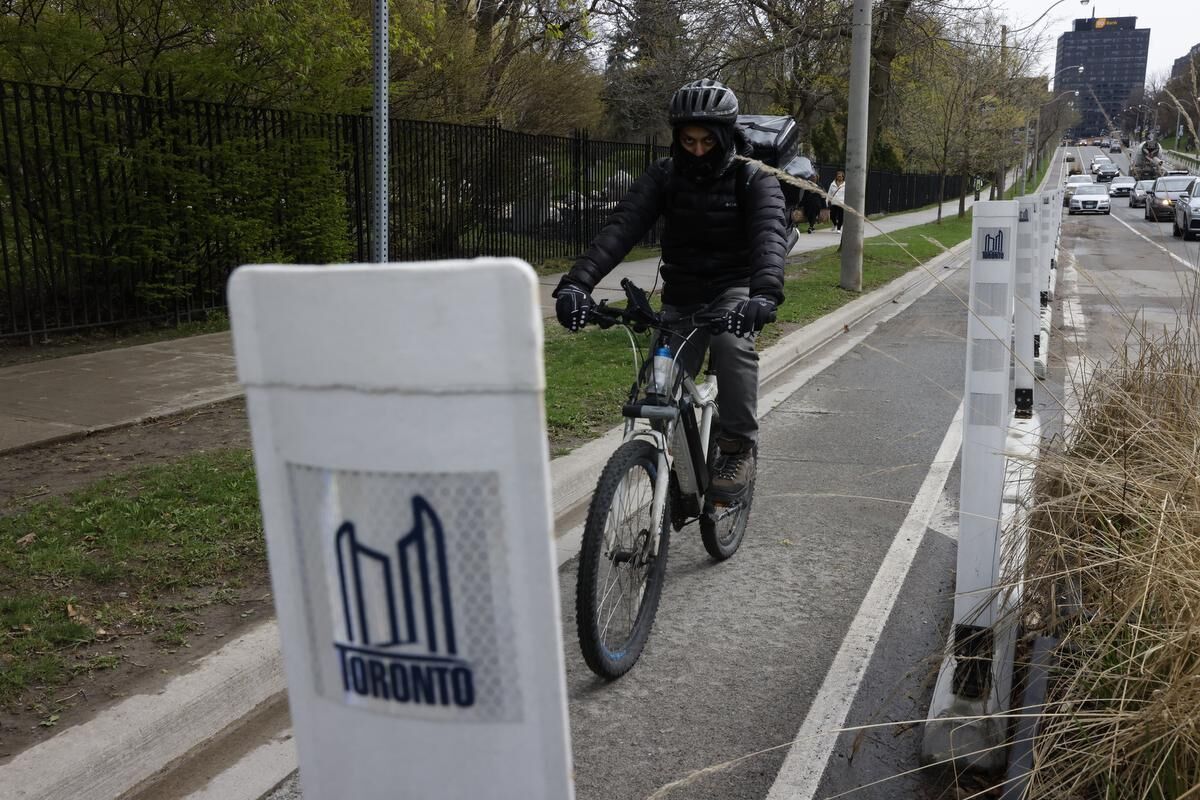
(750, 315)
(573, 306)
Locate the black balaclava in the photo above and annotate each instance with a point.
(711, 165)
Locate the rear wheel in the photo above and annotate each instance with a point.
(722, 527)
(620, 575)
(1176, 231)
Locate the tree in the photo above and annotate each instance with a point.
(237, 51)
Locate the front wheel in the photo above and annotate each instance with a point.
(622, 562)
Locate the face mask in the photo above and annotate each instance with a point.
(705, 168)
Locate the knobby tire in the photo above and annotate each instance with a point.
(627, 478)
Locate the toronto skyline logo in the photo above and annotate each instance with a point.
(398, 613)
(993, 245)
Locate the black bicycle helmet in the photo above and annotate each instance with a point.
(703, 101)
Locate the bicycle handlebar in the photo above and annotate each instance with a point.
(639, 315)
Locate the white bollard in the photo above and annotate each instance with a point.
(976, 675)
(1050, 211)
(1027, 303)
(399, 439)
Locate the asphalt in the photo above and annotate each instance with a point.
(78, 395)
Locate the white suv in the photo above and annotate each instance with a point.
(1187, 213)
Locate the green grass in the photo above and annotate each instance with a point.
(121, 557)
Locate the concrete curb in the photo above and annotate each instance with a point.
(139, 738)
(131, 742)
(219, 396)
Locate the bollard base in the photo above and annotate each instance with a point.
(971, 733)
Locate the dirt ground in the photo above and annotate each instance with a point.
(142, 664)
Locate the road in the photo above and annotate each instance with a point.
(1126, 268)
(741, 654)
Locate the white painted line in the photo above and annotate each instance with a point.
(800, 775)
(1156, 244)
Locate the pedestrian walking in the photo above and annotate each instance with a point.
(837, 196)
(812, 203)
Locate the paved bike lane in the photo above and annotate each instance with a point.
(739, 650)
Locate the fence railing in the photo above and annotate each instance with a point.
(119, 208)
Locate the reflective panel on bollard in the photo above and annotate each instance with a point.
(399, 439)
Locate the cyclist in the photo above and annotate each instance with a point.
(724, 240)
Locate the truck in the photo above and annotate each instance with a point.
(1146, 162)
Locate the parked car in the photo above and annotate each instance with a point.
(1072, 183)
(1137, 196)
(1187, 213)
(1121, 186)
(1107, 171)
(1090, 198)
(1164, 194)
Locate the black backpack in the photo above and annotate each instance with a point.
(775, 141)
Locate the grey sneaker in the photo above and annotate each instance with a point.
(731, 475)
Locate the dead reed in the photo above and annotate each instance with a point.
(1114, 571)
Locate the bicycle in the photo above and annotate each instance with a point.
(659, 475)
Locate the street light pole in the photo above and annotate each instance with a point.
(856, 147)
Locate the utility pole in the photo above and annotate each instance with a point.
(379, 43)
(1001, 170)
(856, 146)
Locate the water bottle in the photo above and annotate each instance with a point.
(664, 370)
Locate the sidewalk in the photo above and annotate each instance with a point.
(74, 396)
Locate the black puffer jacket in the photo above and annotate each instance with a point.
(730, 232)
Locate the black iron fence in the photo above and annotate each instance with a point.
(118, 208)
(892, 192)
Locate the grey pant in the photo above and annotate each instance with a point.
(735, 363)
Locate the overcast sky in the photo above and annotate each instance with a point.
(1172, 24)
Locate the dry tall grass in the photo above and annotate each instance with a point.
(1115, 540)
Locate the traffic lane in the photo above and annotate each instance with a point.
(1186, 255)
(740, 649)
(1126, 271)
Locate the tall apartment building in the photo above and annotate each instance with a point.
(1180, 67)
(1112, 51)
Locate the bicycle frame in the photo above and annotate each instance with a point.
(681, 442)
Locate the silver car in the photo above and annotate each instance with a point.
(1121, 186)
(1187, 213)
(1137, 195)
